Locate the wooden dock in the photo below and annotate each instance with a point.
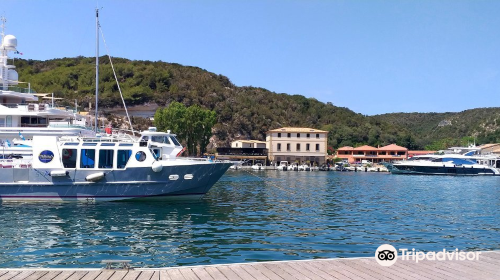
(487, 267)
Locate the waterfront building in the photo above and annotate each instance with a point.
(297, 144)
(248, 144)
(387, 153)
(244, 150)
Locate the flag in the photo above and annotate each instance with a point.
(17, 52)
(21, 136)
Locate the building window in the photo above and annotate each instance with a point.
(298, 147)
(288, 147)
(308, 135)
(279, 147)
(317, 135)
(308, 146)
(298, 135)
(279, 135)
(289, 135)
(317, 146)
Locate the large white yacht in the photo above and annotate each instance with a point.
(23, 112)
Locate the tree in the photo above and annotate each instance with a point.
(193, 125)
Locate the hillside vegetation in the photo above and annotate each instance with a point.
(242, 112)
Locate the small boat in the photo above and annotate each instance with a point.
(283, 166)
(258, 166)
(304, 167)
(293, 167)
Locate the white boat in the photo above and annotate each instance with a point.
(258, 166)
(109, 168)
(445, 164)
(304, 167)
(293, 167)
(283, 166)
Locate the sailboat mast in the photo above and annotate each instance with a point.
(96, 67)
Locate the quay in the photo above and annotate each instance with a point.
(486, 267)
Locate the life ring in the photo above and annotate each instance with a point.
(67, 153)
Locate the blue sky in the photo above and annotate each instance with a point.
(370, 56)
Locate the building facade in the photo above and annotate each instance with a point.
(387, 153)
(248, 144)
(296, 144)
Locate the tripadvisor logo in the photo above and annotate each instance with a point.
(386, 255)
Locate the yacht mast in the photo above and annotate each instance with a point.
(96, 67)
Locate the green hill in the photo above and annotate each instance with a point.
(242, 112)
(482, 124)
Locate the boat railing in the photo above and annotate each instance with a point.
(20, 89)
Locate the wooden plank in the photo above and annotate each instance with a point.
(36, 275)
(50, 275)
(9, 275)
(146, 275)
(302, 273)
(319, 269)
(395, 270)
(201, 273)
(424, 269)
(243, 274)
(267, 272)
(189, 274)
(228, 273)
(23, 275)
(164, 275)
(75, 275)
(119, 275)
(215, 273)
(92, 275)
(132, 275)
(253, 271)
(281, 270)
(362, 273)
(105, 275)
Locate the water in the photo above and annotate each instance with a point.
(283, 216)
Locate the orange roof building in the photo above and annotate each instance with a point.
(387, 153)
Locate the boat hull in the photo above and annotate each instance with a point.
(179, 182)
(442, 170)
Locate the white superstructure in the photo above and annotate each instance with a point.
(22, 113)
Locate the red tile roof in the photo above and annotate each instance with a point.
(365, 148)
(346, 148)
(393, 147)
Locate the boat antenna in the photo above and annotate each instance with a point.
(117, 83)
(96, 66)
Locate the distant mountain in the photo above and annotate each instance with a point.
(243, 112)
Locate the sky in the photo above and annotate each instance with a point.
(371, 56)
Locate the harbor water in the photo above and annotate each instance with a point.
(260, 216)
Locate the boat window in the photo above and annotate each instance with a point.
(106, 158)
(69, 158)
(158, 139)
(145, 138)
(126, 144)
(156, 153)
(140, 156)
(87, 158)
(89, 144)
(437, 160)
(107, 144)
(71, 144)
(175, 141)
(122, 158)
